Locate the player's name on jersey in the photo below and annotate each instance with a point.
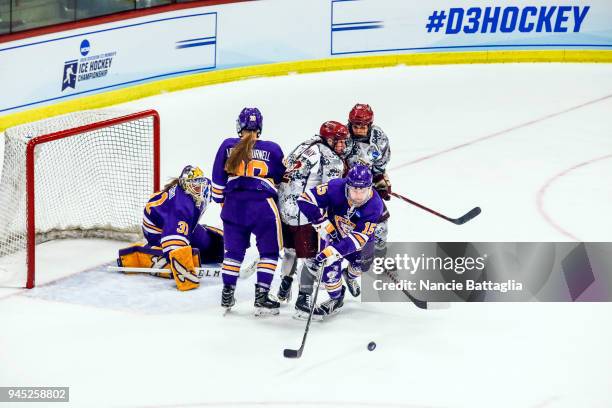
(452, 286)
(257, 154)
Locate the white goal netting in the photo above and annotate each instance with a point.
(93, 183)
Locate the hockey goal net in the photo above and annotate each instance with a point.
(84, 174)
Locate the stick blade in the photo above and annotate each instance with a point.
(290, 353)
(421, 304)
(468, 216)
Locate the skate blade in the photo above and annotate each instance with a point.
(301, 315)
(226, 311)
(327, 316)
(283, 299)
(262, 311)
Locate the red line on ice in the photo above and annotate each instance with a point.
(542, 192)
(508, 130)
(499, 133)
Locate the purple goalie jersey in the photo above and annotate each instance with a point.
(355, 225)
(170, 218)
(258, 178)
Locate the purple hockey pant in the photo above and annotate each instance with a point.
(241, 218)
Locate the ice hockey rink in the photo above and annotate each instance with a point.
(531, 144)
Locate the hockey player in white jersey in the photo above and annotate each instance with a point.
(315, 161)
(370, 146)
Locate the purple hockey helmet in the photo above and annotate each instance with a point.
(359, 176)
(249, 119)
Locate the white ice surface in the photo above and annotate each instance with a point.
(135, 341)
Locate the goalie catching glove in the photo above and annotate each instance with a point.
(382, 184)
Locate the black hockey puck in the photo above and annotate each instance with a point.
(371, 346)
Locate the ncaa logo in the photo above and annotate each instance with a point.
(69, 75)
(84, 47)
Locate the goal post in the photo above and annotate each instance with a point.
(84, 174)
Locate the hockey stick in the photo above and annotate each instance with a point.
(215, 272)
(291, 353)
(458, 221)
(209, 272)
(421, 304)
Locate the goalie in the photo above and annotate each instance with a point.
(175, 240)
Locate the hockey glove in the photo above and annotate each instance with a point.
(327, 257)
(382, 184)
(326, 230)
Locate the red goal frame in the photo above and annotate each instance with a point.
(35, 141)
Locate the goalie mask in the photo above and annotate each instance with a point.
(194, 183)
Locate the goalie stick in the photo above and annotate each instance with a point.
(202, 272)
(458, 221)
(213, 272)
(291, 353)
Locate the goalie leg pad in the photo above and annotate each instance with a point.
(183, 269)
(196, 263)
(197, 260)
(142, 256)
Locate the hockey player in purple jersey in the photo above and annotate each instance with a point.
(345, 213)
(246, 173)
(174, 238)
(314, 161)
